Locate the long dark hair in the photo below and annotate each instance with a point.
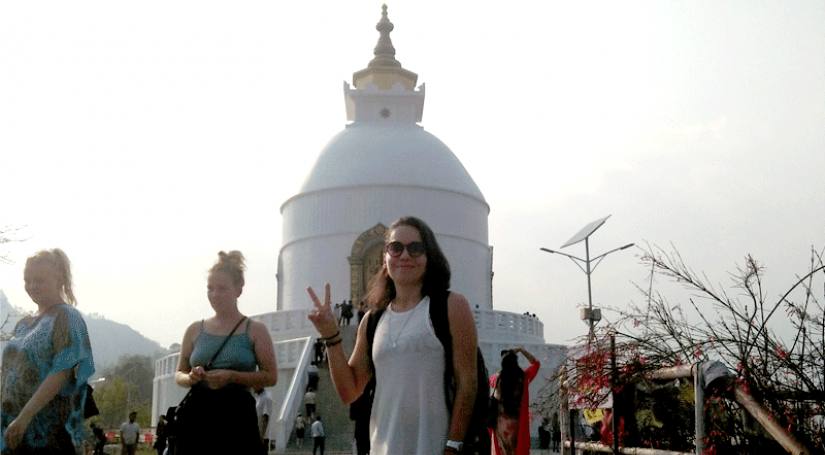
(511, 384)
(436, 277)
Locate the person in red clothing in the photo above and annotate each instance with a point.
(511, 436)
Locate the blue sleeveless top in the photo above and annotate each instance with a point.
(238, 354)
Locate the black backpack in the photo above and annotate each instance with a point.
(477, 438)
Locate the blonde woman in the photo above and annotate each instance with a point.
(46, 365)
(223, 413)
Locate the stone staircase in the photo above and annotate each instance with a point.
(334, 414)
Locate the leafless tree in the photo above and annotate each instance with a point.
(773, 345)
(8, 234)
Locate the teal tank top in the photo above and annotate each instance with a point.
(238, 354)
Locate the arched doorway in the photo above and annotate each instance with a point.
(365, 261)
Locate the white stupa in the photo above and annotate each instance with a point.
(382, 166)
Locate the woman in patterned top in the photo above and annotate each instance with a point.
(223, 417)
(46, 365)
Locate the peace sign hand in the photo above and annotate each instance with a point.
(321, 316)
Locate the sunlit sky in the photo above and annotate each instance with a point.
(143, 137)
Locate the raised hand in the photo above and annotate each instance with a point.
(322, 316)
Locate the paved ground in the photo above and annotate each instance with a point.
(328, 452)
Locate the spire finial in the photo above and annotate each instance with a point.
(384, 50)
(384, 71)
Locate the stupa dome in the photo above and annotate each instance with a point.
(402, 154)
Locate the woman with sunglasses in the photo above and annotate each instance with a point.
(408, 414)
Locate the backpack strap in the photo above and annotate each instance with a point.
(439, 317)
(372, 324)
(364, 406)
(476, 437)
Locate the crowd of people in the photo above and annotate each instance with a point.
(398, 360)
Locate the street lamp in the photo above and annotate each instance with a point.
(588, 314)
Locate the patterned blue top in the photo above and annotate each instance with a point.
(55, 341)
(238, 354)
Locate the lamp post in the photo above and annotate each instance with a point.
(588, 314)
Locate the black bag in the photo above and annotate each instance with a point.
(90, 407)
(182, 419)
(476, 438)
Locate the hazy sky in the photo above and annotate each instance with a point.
(143, 137)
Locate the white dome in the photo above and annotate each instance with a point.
(389, 154)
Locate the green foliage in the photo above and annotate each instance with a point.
(126, 387)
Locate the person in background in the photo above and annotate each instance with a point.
(318, 435)
(300, 430)
(409, 413)
(312, 377)
(223, 404)
(171, 432)
(263, 407)
(129, 434)
(511, 436)
(98, 438)
(346, 313)
(544, 434)
(161, 435)
(555, 430)
(46, 365)
(309, 402)
(318, 350)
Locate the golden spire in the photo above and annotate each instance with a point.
(384, 70)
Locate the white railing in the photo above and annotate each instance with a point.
(508, 327)
(294, 395)
(166, 365)
(286, 324)
(492, 325)
(289, 352)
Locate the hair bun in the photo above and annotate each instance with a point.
(233, 257)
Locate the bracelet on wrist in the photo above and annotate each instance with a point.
(331, 343)
(331, 336)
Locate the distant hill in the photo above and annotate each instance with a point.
(110, 339)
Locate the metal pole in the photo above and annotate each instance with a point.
(564, 411)
(589, 292)
(614, 380)
(768, 421)
(573, 421)
(699, 408)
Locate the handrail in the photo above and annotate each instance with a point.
(292, 399)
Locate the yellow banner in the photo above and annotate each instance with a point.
(593, 415)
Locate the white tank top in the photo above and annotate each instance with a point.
(409, 415)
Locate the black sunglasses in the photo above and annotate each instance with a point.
(396, 248)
